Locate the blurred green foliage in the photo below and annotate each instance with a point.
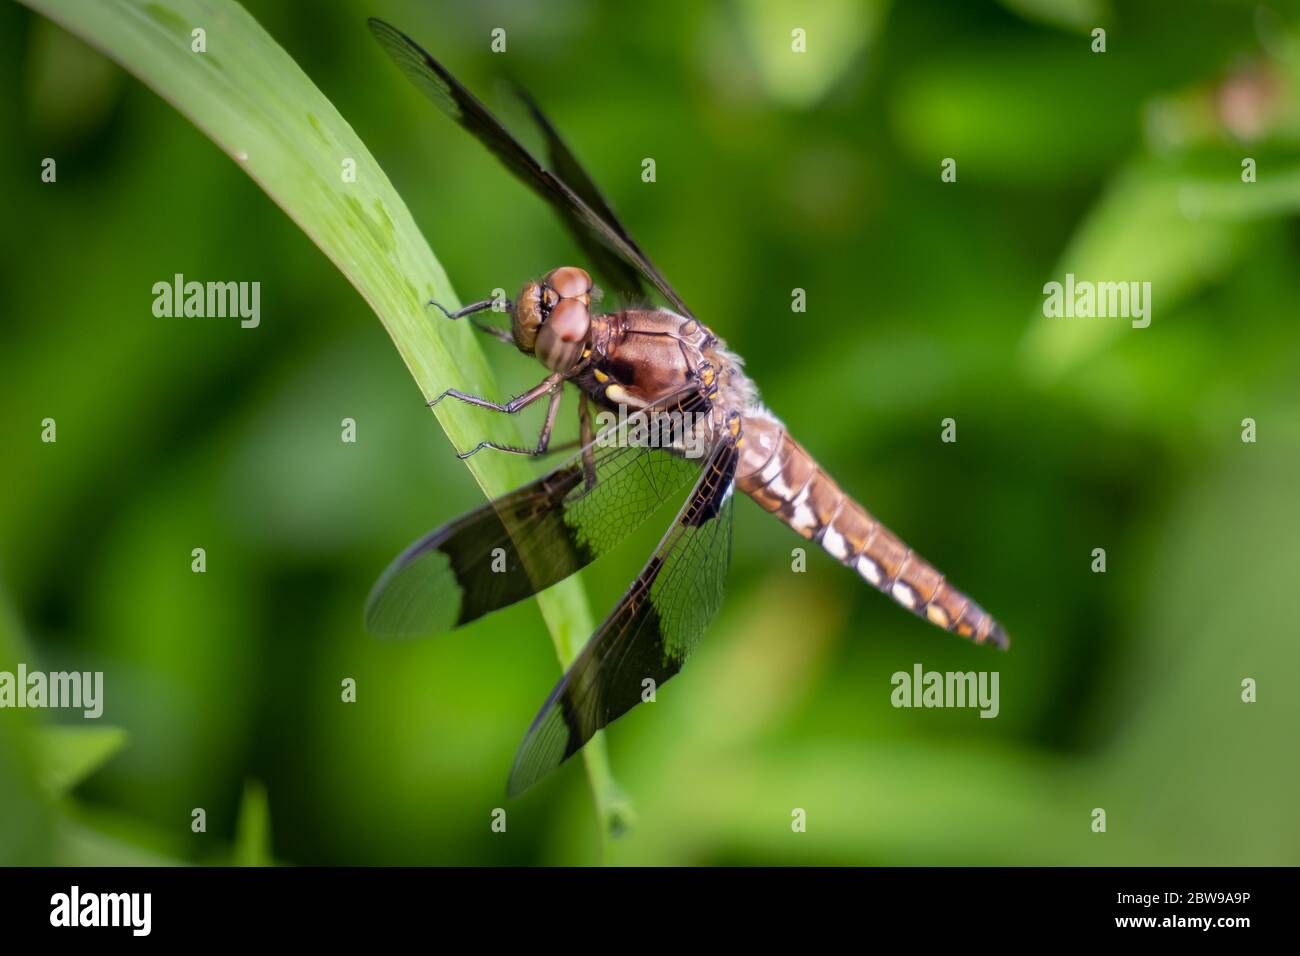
(1121, 690)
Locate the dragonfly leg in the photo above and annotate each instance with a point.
(587, 437)
(481, 306)
(503, 334)
(543, 440)
(562, 446)
(544, 387)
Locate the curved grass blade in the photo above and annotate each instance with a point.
(251, 99)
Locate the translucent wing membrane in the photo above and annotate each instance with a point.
(528, 539)
(622, 275)
(566, 165)
(601, 236)
(648, 635)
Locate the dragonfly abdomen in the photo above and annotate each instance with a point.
(785, 480)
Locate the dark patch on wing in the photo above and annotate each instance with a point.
(648, 635)
(528, 539)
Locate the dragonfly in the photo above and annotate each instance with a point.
(685, 423)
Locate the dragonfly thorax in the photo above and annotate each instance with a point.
(551, 317)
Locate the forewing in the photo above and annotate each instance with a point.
(572, 173)
(528, 539)
(566, 165)
(612, 251)
(648, 635)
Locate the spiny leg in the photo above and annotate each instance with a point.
(569, 445)
(587, 437)
(500, 334)
(543, 387)
(543, 440)
(473, 307)
(480, 306)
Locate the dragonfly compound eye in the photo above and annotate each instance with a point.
(569, 282)
(527, 317)
(564, 335)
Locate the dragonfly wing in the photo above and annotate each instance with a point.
(612, 251)
(528, 539)
(567, 166)
(648, 636)
(570, 170)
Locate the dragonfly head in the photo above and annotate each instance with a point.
(551, 317)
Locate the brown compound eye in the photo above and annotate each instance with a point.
(569, 321)
(569, 282)
(562, 337)
(527, 317)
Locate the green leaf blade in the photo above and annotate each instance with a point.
(250, 98)
(71, 754)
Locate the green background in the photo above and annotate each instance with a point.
(775, 171)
